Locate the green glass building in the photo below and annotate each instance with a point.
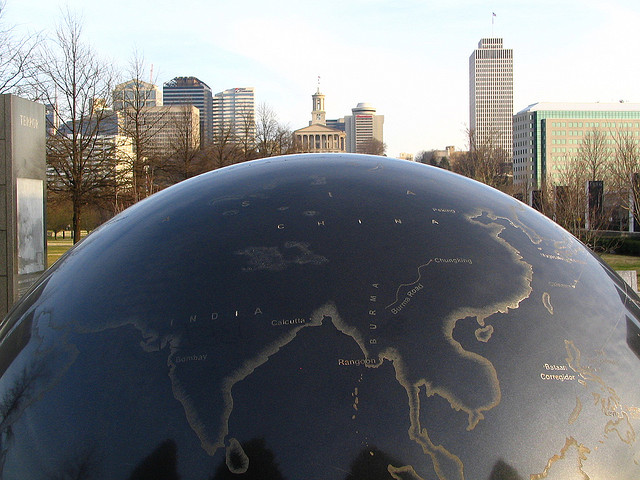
(547, 135)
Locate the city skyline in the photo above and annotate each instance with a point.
(408, 59)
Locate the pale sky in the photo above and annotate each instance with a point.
(408, 58)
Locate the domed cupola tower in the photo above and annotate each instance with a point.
(318, 115)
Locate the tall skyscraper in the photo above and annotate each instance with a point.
(234, 113)
(192, 91)
(362, 127)
(491, 95)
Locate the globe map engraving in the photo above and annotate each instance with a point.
(324, 317)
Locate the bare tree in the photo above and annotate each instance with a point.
(373, 146)
(266, 130)
(17, 67)
(565, 192)
(625, 171)
(246, 137)
(425, 157)
(81, 153)
(224, 150)
(59, 214)
(593, 158)
(284, 143)
(593, 155)
(184, 159)
(233, 141)
(485, 161)
(272, 138)
(132, 100)
(564, 196)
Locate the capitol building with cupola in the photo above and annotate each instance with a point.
(318, 137)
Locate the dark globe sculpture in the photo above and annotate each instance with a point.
(325, 317)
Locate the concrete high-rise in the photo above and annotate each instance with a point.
(363, 126)
(192, 91)
(491, 96)
(234, 113)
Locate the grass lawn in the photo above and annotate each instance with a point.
(56, 248)
(621, 262)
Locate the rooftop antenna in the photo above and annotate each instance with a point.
(151, 74)
(493, 16)
(318, 83)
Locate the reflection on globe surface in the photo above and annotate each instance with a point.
(324, 317)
